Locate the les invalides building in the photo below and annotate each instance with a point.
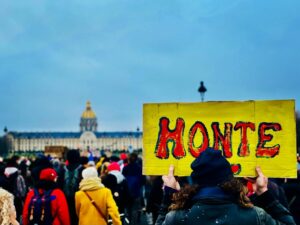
(87, 138)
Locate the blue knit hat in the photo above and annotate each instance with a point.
(211, 168)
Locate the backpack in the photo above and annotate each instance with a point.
(71, 181)
(20, 187)
(40, 208)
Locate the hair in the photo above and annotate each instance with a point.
(73, 156)
(182, 199)
(84, 160)
(46, 184)
(233, 187)
(6, 206)
(238, 190)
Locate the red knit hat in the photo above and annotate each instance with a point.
(48, 174)
(113, 166)
(123, 156)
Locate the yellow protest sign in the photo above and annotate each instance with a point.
(249, 133)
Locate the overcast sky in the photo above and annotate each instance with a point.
(119, 54)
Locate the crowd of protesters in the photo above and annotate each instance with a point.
(89, 190)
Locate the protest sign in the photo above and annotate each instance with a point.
(249, 133)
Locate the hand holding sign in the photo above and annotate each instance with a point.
(261, 183)
(170, 181)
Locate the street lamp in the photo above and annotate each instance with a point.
(202, 89)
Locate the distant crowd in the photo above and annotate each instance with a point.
(49, 190)
(87, 190)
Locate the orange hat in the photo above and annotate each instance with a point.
(48, 174)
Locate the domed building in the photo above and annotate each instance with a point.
(88, 138)
(88, 121)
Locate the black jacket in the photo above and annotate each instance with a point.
(221, 209)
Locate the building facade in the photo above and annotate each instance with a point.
(88, 138)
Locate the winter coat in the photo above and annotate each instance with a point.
(135, 179)
(155, 197)
(87, 212)
(117, 183)
(292, 190)
(59, 207)
(221, 209)
(70, 194)
(17, 186)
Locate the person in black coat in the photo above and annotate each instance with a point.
(218, 198)
(292, 191)
(155, 196)
(117, 183)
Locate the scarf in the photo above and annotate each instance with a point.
(212, 193)
(118, 175)
(90, 184)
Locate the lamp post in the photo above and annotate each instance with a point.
(202, 89)
(137, 138)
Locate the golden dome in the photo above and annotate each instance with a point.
(88, 113)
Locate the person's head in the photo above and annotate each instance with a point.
(114, 166)
(84, 160)
(210, 168)
(55, 163)
(133, 157)
(73, 157)
(123, 156)
(114, 158)
(47, 179)
(13, 161)
(42, 162)
(89, 172)
(48, 174)
(90, 179)
(11, 172)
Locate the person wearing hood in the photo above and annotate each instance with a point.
(94, 203)
(117, 183)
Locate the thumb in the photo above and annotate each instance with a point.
(258, 171)
(171, 170)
